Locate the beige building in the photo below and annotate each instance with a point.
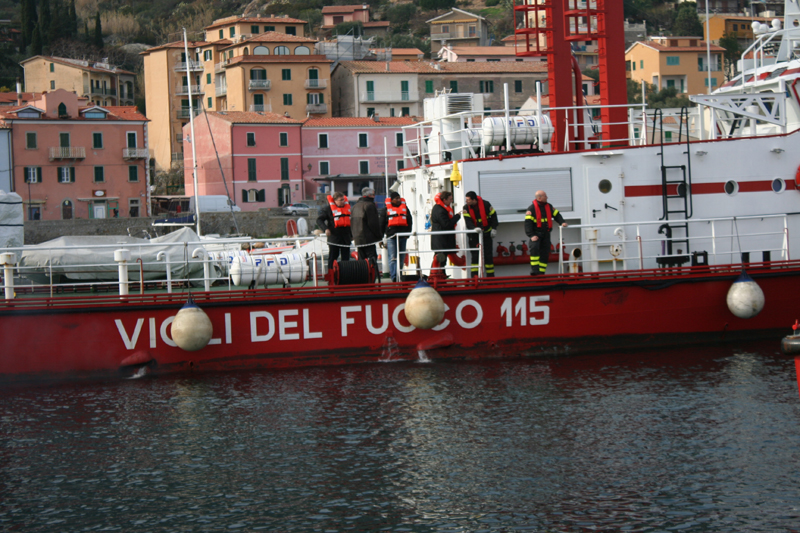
(100, 83)
(237, 28)
(679, 62)
(458, 28)
(257, 64)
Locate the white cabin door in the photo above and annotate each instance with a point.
(604, 195)
(99, 211)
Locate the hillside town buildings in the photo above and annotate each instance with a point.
(100, 82)
(75, 159)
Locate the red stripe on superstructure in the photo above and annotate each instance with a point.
(704, 188)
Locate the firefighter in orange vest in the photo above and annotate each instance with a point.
(394, 219)
(479, 213)
(334, 220)
(538, 223)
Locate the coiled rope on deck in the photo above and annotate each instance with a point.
(353, 272)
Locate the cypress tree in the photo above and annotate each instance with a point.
(29, 19)
(73, 20)
(98, 32)
(45, 21)
(36, 41)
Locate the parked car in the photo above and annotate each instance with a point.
(295, 209)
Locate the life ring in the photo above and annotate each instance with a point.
(797, 179)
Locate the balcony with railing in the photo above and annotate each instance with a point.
(715, 67)
(180, 66)
(219, 67)
(103, 91)
(177, 156)
(67, 152)
(184, 112)
(135, 153)
(316, 84)
(261, 108)
(388, 96)
(455, 35)
(260, 85)
(220, 90)
(184, 89)
(317, 109)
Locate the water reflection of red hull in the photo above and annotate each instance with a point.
(81, 336)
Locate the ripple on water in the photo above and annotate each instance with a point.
(673, 440)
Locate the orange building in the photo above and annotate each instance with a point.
(679, 62)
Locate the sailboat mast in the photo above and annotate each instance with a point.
(191, 126)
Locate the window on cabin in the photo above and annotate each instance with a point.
(291, 30)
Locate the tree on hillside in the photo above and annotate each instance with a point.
(686, 21)
(355, 28)
(98, 32)
(436, 5)
(36, 42)
(732, 54)
(29, 18)
(45, 21)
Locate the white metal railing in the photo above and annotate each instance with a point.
(219, 67)
(316, 84)
(135, 153)
(220, 90)
(160, 266)
(67, 152)
(265, 85)
(415, 254)
(184, 89)
(647, 244)
(261, 108)
(193, 65)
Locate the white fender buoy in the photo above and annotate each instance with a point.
(745, 297)
(424, 306)
(191, 329)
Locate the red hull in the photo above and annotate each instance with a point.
(505, 317)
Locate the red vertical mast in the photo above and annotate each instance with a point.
(547, 27)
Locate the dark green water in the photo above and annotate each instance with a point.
(702, 439)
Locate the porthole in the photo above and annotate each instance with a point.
(604, 186)
(731, 188)
(796, 23)
(778, 185)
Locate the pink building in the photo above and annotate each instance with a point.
(333, 15)
(73, 160)
(260, 156)
(346, 154)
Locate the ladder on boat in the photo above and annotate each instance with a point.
(676, 193)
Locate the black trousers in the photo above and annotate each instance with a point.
(488, 254)
(335, 249)
(540, 254)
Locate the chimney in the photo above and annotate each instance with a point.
(388, 68)
(19, 92)
(375, 117)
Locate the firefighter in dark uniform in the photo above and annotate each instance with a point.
(479, 213)
(443, 218)
(334, 220)
(538, 223)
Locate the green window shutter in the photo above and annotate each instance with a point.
(480, 86)
(454, 86)
(429, 86)
(321, 98)
(98, 175)
(284, 168)
(287, 99)
(221, 34)
(209, 103)
(97, 140)
(72, 174)
(133, 173)
(208, 79)
(308, 98)
(286, 74)
(261, 195)
(244, 196)
(517, 86)
(251, 170)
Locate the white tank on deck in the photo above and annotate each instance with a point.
(522, 130)
(267, 269)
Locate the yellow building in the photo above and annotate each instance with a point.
(255, 64)
(737, 25)
(679, 62)
(101, 83)
(167, 98)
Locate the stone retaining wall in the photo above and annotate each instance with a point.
(263, 223)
